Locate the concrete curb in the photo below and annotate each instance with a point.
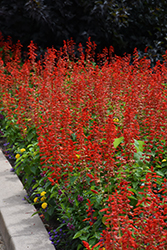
(19, 230)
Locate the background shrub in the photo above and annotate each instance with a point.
(122, 24)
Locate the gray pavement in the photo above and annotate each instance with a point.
(20, 231)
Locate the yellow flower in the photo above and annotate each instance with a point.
(43, 193)
(43, 198)
(36, 199)
(44, 205)
(22, 150)
(17, 156)
(78, 156)
(25, 130)
(163, 160)
(115, 120)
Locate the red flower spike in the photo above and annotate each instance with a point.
(90, 176)
(94, 191)
(86, 245)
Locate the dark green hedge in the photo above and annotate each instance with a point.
(123, 24)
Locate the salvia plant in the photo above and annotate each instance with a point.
(90, 143)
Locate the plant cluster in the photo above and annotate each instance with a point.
(90, 143)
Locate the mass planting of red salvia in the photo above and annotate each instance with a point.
(144, 227)
(78, 109)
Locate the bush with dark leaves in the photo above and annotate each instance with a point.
(124, 24)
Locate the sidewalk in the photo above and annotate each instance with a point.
(19, 230)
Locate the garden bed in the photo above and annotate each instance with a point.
(90, 143)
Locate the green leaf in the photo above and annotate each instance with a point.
(36, 185)
(92, 241)
(40, 189)
(139, 145)
(160, 173)
(133, 201)
(27, 170)
(138, 157)
(30, 136)
(73, 137)
(106, 223)
(50, 210)
(79, 247)
(133, 190)
(18, 170)
(47, 184)
(84, 237)
(35, 213)
(53, 189)
(82, 231)
(97, 235)
(158, 166)
(78, 234)
(132, 198)
(1, 49)
(117, 141)
(135, 184)
(29, 180)
(73, 179)
(77, 203)
(33, 169)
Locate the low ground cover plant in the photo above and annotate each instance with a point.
(90, 143)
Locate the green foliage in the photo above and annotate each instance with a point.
(117, 141)
(28, 163)
(12, 132)
(25, 149)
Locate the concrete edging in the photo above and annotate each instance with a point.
(20, 231)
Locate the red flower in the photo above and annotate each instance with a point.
(86, 245)
(94, 191)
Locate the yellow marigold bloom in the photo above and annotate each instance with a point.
(43, 198)
(36, 199)
(43, 193)
(163, 160)
(22, 150)
(44, 205)
(17, 156)
(115, 120)
(78, 156)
